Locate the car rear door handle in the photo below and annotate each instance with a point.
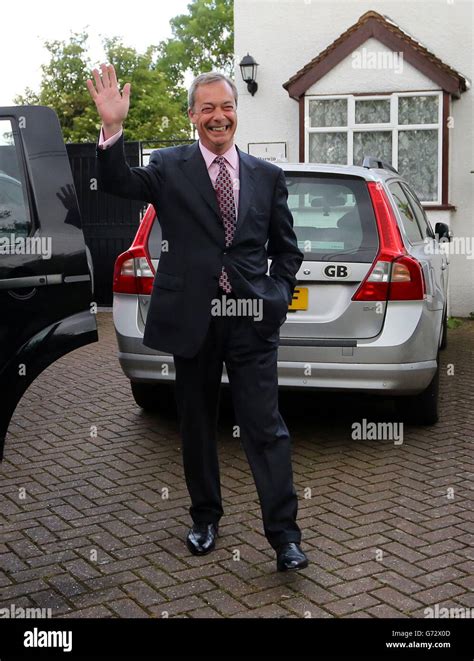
(22, 283)
(41, 280)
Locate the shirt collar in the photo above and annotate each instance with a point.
(230, 155)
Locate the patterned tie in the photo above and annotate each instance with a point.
(225, 198)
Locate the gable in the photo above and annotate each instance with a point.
(372, 68)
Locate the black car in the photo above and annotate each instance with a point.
(46, 277)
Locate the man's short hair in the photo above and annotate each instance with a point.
(205, 79)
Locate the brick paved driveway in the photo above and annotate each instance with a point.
(88, 532)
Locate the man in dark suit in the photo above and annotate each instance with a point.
(223, 214)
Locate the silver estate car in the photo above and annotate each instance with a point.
(369, 313)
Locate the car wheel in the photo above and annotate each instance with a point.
(444, 338)
(421, 409)
(153, 396)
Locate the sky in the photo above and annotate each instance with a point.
(25, 29)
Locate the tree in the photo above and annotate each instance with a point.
(157, 110)
(154, 113)
(63, 84)
(203, 40)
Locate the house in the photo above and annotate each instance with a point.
(337, 80)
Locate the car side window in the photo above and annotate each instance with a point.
(407, 214)
(15, 219)
(418, 210)
(154, 240)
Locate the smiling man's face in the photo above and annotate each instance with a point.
(214, 115)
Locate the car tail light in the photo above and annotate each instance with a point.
(407, 282)
(394, 275)
(133, 271)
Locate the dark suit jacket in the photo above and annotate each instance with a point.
(177, 183)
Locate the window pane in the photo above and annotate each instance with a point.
(418, 110)
(14, 211)
(154, 240)
(375, 111)
(328, 148)
(333, 217)
(408, 218)
(419, 212)
(372, 143)
(418, 161)
(328, 112)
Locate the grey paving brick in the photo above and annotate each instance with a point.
(127, 608)
(105, 493)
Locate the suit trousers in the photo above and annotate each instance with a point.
(251, 364)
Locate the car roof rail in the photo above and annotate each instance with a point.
(371, 162)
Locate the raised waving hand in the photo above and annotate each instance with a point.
(111, 105)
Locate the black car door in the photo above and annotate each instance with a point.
(45, 274)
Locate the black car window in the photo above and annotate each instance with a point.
(406, 213)
(15, 218)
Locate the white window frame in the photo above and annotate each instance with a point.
(392, 126)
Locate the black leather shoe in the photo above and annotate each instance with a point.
(201, 538)
(290, 557)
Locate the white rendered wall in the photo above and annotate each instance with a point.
(284, 35)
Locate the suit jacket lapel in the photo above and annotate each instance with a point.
(194, 167)
(247, 188)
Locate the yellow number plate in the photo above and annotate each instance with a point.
(300, 299)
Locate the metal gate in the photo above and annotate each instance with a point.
(147, 146)
(109, 222)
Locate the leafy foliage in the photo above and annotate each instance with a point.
(202, 40)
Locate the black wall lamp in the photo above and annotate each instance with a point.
(248, 68)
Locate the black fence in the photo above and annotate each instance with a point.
(109, 223)
(159, 144)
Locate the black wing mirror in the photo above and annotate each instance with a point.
(442, 232)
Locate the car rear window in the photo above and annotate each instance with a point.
(333, 217)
